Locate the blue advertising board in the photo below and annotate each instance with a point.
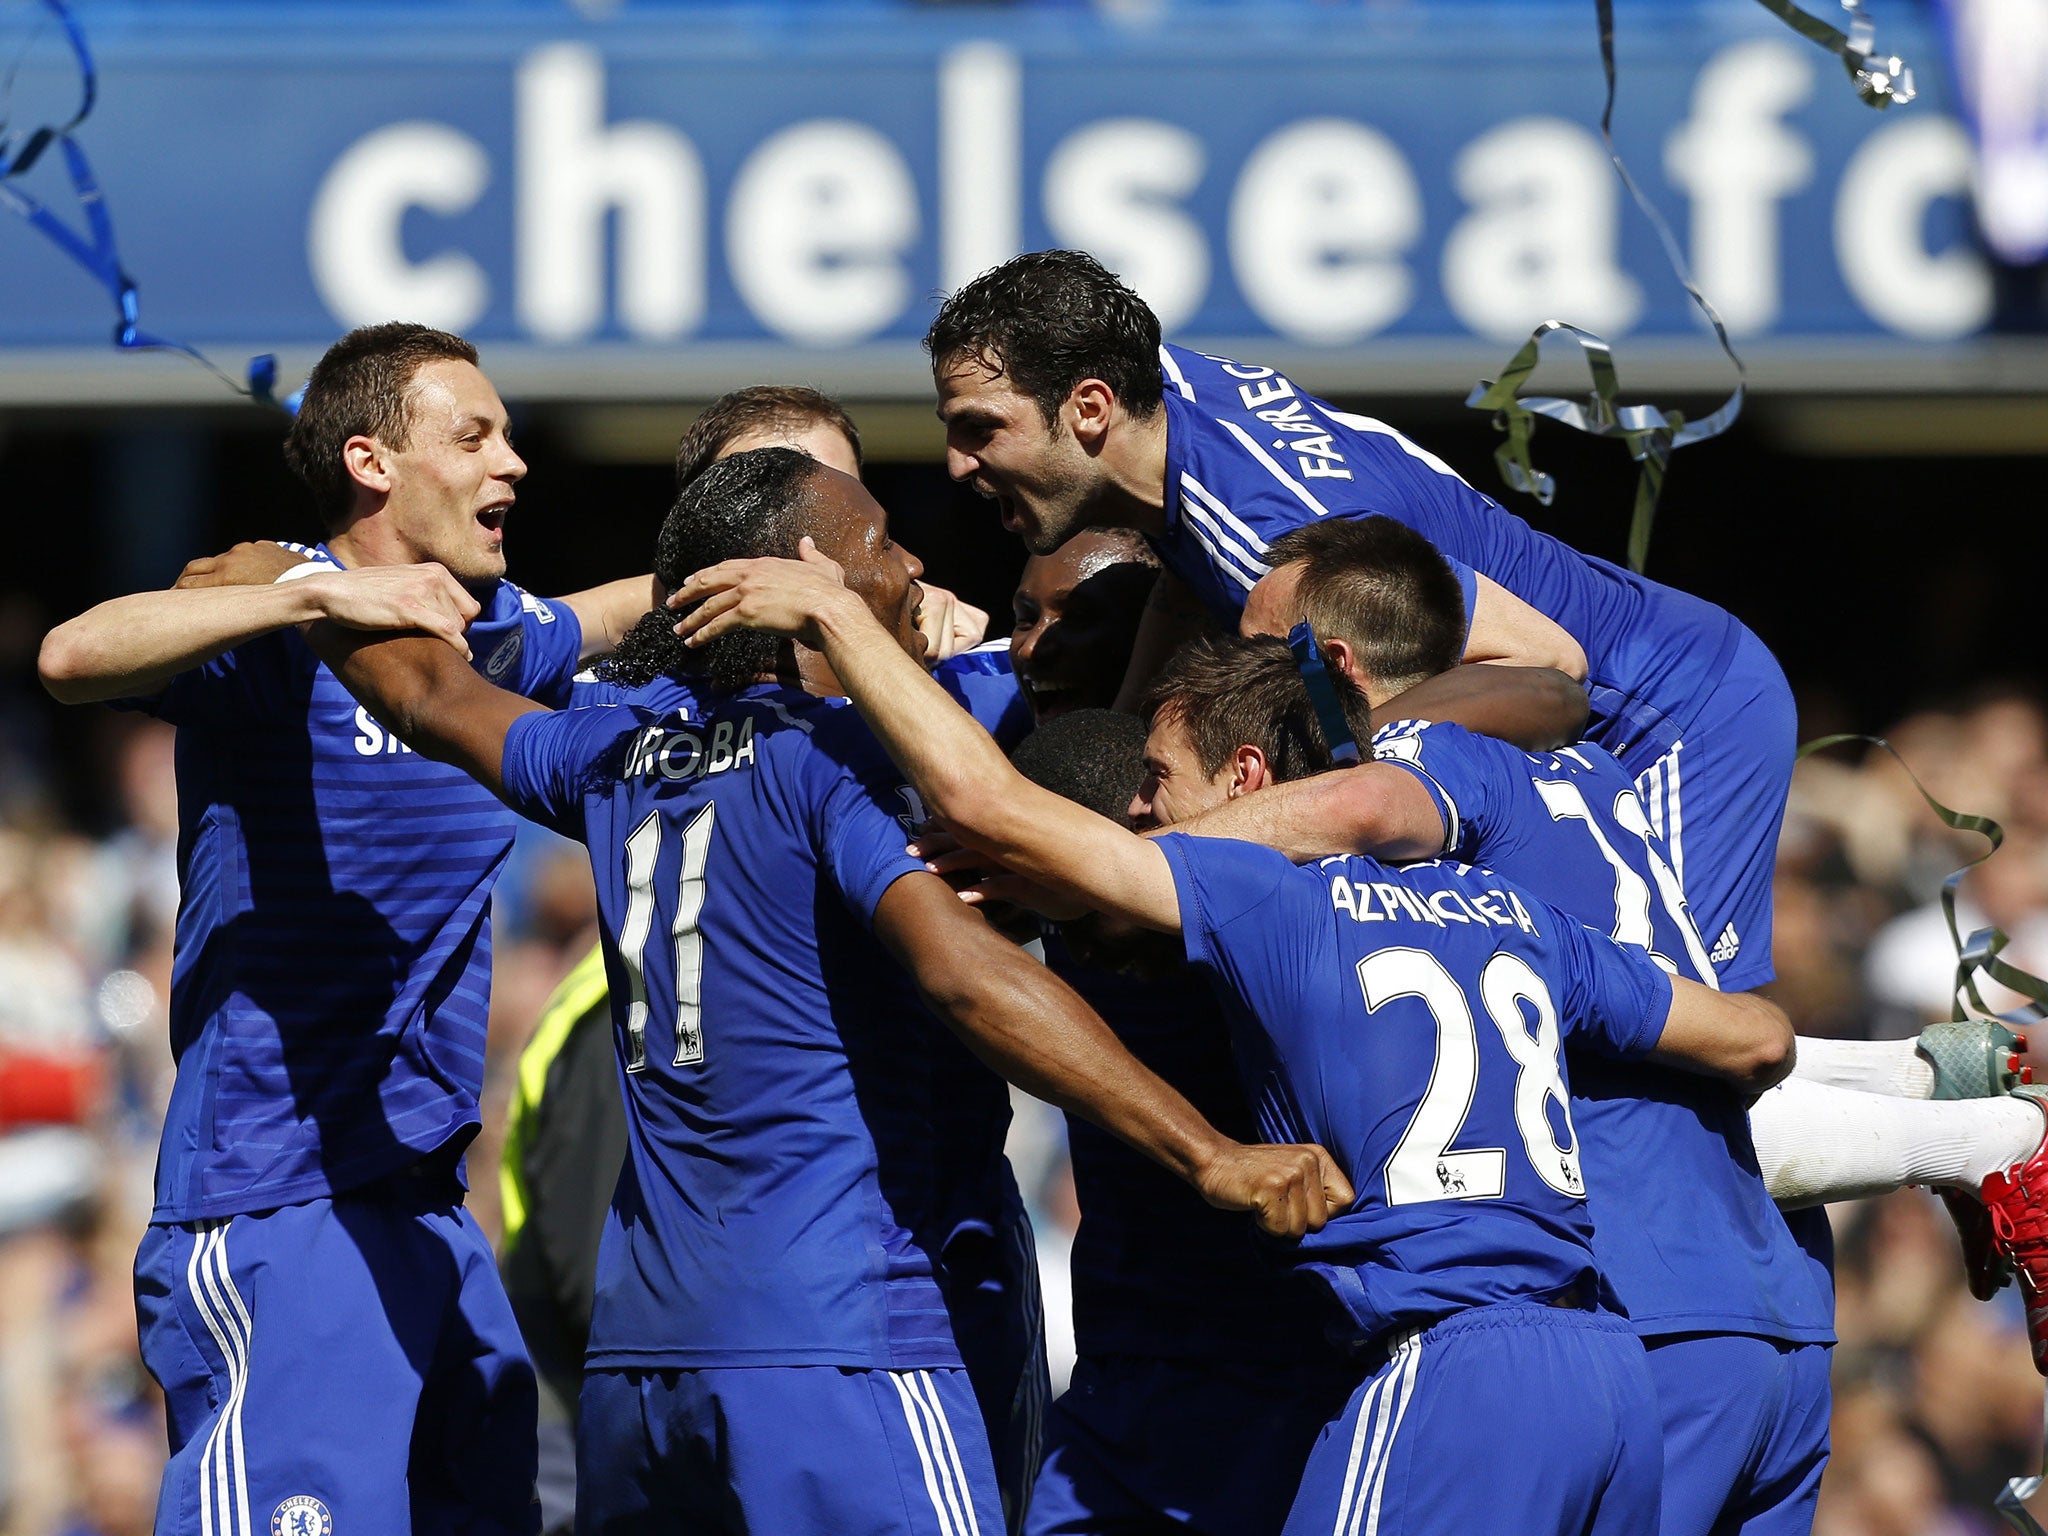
(635, 207)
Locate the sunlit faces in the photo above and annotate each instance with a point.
(1273, 607)
(1077, 613)
(820, 440)
(1038, 474)
(849, 525)
(450, 487)
(1175, 788)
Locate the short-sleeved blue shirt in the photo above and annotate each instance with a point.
(1413, 1023)
(333, 953)
(1683, 1226)
(1249, 455)
(782, 1203)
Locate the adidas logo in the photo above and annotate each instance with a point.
(1726, 947)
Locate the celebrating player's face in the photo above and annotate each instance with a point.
(451, 485)
(1175, 788)
(999, 443)
(849, 525)
(1077, 613)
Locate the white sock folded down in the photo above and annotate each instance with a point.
(1817, 1143)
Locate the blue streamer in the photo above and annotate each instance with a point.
(1322, 694)
(94, 248)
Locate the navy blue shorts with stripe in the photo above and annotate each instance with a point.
(774, 1450)
(345, 1365)
(1745, 1432)
(1138, 1446)
(1528, 1419)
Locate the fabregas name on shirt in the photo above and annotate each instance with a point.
(1503, 909)
(676, 752)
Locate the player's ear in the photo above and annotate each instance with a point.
(1088, 411)
(367, 463)
(1249, 771)
(1339, 653)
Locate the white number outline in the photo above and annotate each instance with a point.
(643, 852)
(1423, 1166)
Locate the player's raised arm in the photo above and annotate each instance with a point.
(958, 769)
(1034, 1029)
(427, 695)
(130, 647)
(1504, 629)
(1537, 708)
(1374, 809)
(607, 612)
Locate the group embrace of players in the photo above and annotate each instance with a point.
(1400, 873)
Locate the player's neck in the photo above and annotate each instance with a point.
(814, 674)
(1133, 465)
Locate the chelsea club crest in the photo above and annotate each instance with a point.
(301, 1515)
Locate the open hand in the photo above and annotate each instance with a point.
(256, 563)
(1289, 1191)
(399, 597)
(783, 597)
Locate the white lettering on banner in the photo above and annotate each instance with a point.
(1114, 188)
(1322, 214)
(353, 239)
(981, 161)
(1880, 222)
(821, 219)
(573, 172)
(1736, 160)
(1542, 237)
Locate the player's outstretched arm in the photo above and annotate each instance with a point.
(958, 769)
(1374, 809)
(607, 612)
(1538, 709)
(427, 695)
(1031, 1027)
(1733, 1035)
(131, 647)
(1506, 629)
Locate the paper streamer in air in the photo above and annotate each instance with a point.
(1653, 433)
(92, 244)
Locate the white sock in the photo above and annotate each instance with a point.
(1817, 1143)
(1891, 1067)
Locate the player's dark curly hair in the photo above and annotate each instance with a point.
(1383, 587)
(1048, 320)
(759, 408)
(1231, 691)
(741, 508)
(362, 387)
(1094, 757)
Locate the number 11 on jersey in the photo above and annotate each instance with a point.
(643, 852)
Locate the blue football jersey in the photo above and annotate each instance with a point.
(1250, 456)
(783, 1200)
(982, 682)
(1157, 1270)
(1413, 1022)
(333, 952)
(1683, 1226)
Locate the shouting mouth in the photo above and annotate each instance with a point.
(492, 520)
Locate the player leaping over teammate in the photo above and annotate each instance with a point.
(1467, 1254)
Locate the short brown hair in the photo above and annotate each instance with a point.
(760, 408)
(1231, 691)
(361, 388)
(1382, 587)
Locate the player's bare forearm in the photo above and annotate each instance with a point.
(607, 612)
(1173, 616)
(1032, 1028)
(1374, 809)
(427, 695)
(130, 647)
(1504, 628)
(1536, 708)
(1738, 1036)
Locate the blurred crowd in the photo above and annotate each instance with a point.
(1937, 1403)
